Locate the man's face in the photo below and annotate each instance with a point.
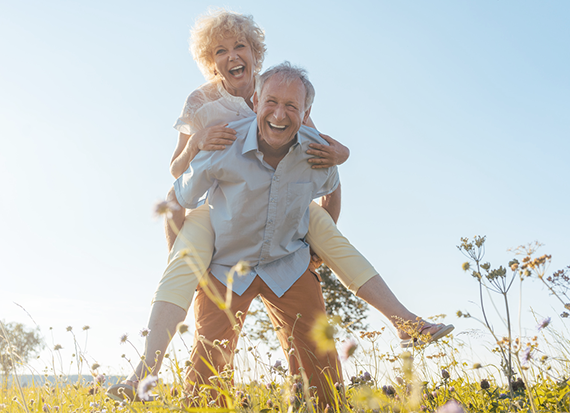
(280, 111)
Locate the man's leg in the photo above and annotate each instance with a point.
(214, 324)
(305, 297)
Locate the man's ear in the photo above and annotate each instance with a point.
(255, 101)
(307, 114)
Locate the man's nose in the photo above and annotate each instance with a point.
(279, 112)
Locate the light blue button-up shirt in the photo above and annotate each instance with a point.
(259, 214)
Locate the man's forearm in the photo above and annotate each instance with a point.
(174, 224)
(331, 203)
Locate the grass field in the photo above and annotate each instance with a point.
(522, 374)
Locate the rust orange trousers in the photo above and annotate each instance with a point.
(305, 297)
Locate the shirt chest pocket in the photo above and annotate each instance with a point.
(299, 196)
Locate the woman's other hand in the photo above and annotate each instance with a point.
(325, 156)
(214, 138)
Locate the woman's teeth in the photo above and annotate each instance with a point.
(237, 70)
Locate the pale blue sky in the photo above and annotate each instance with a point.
(457, 115)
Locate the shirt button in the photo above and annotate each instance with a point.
(272, 199)
(270, 221)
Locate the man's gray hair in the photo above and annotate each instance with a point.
(288, 74)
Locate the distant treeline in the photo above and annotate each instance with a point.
(36, 380)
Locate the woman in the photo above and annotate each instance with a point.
(229, 49)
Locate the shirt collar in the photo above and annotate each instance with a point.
(250, 143)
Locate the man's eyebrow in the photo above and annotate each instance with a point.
(275, 97)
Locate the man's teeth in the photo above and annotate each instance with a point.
(276, 126)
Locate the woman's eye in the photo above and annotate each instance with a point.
(220, 51)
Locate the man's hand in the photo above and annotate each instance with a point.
(315, 259)
(335, 153)
(174, 223)
(214, 138)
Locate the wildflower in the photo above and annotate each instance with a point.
(518, 385)
(99, 379)
(476, 366)
(277, 365)
(388, 390)
(526, 356)
(144, 332)
(465, 266)
(239, 314)
(95, 366)
(241, 268)
(485, 384)
(544, 323)
(165, 208)
(366, 376)
(348, 348)
(323, 334)
(69, 328)
(145, 387)
(85, 328)
(445, 374)
(451, 407)
(182, 328)
(269, 404)
(57, 347)
(124, 338)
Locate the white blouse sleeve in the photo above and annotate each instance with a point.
(188, 122)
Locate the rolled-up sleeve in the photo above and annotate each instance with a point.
(195, 182)
(331, 184)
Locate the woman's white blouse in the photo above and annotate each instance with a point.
(211, 105)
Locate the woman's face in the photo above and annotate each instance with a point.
(235, 64)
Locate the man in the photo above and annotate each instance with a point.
(259, 210)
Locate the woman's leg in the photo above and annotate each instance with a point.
(354, 271)
(189, 260)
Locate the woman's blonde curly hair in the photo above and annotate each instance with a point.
(216, 24)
